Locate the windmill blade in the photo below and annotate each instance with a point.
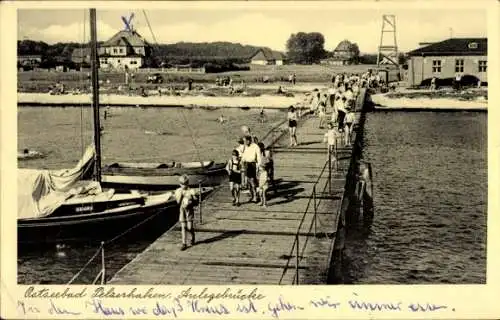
(127, 25)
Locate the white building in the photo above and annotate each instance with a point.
(125, 50)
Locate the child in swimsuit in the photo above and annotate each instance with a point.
(233, 168)
(263, 183)
(331, 139)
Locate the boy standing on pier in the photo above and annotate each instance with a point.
(331, 138)
(233, 168)
(186, 197)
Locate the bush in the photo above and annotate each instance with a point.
(467, 81)
(223, 67)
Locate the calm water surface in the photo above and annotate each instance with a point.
(430, 197)
(62, 134)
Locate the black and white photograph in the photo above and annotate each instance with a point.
(247, 145)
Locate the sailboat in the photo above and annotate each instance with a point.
(63, 205)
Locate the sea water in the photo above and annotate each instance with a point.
(430, 198)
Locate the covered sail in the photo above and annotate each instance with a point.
(40, 192)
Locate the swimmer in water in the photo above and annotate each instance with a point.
(263, 117)
(221, 119)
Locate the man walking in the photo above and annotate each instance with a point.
(251, 157)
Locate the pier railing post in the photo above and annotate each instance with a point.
(314, 206)
(103, 264)
(314, 203)
(329, 171)
(201, 201)
(297, 259)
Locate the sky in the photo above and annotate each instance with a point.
(270, 27)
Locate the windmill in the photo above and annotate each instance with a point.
(128, 22)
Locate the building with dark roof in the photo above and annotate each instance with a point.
(267, 57)
(125, 50)
(343, 54)
(447, 59)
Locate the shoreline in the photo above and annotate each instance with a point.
(383, 103)
(263, 101)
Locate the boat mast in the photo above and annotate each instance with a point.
(95, 93)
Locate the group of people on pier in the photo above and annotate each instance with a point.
(251, 168)
(339, 100)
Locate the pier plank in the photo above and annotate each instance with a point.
(250, 244)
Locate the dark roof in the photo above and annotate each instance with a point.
(270, 54)
(454, 46)
(343, 45)
(126, 38)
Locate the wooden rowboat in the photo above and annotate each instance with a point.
(162, 176)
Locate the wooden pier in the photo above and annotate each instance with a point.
(291, 241)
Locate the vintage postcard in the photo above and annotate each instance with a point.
(249, 159)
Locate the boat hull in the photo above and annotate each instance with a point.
(93, 229)
(101, 226)
(161, 179)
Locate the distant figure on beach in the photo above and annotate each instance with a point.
(233, 169)
(143, 92)
(458, 81)
(433, 84)
(186, 197)
(292, 125)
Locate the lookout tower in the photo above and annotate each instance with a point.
(388, 48)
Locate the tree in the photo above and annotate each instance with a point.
(306, 48)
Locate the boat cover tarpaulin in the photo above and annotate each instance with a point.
(40, 192)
